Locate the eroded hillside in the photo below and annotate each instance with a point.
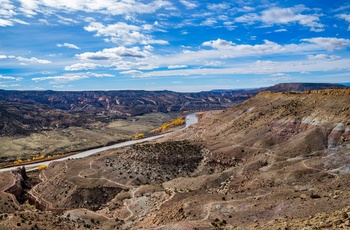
(36, 123)
(294, 123)
(25, 112)
(279, 160)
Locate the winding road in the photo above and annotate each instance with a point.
(190, 120)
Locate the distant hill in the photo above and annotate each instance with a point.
(125, 103)
(24, 112)
(299, 87)
(272, 118)
(288, 87)
(234, 90)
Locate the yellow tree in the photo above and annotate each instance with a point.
(42, 167)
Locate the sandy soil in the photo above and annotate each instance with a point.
(77, 138)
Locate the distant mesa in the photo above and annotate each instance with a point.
(289, 87)
(299, 87)
(25, 112)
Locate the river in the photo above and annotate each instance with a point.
(190, 120)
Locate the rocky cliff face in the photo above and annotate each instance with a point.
(278, 159)
(23, 112)
(19, 185)
(294, 123)
(125, 103)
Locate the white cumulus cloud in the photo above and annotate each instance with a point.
(81, 66)
(68, 45)
(189, 4)
(209, 22)
(250, 18)
(329, 43)
(124, 34)
(99, 75)
(218, 44)
(346, 17)
(113, 54)
(177, 66)
(33, 60)
(280, 30)
(109, 7)
(218, 6)
(131, 72)
(5, 22)
(277, 15)
(7, 77)
(324, 57)
(128, 65)
(10, 85)
(61, 78)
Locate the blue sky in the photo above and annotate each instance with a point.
(180, 45)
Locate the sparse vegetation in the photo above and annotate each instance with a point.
(178, 121)
(42, 167)
(56, 142)
(261, 165)
(138, 136)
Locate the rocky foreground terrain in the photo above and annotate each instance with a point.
(279, 160)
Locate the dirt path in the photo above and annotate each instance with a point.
(123, 186)
(132, 189)
(209, 207)
(33, 192)
(337, 177)
(8, 185)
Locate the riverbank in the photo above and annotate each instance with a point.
(190, 120)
